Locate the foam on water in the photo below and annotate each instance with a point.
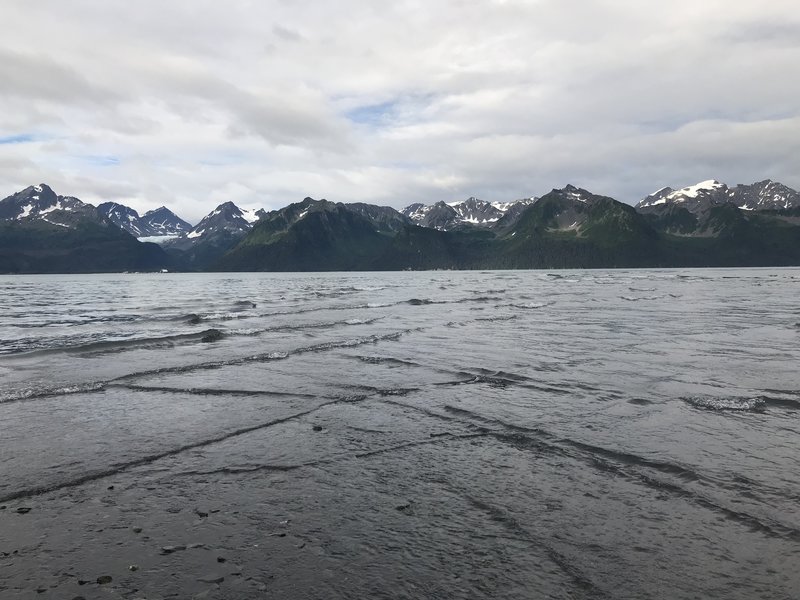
(712, 403)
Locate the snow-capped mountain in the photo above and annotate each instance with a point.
(764, 195)
(226, 218)
(470, 212)
(694, 198)
(162, 221)
(41, 203)
(123, 217)
(699, 198)
(155, 223)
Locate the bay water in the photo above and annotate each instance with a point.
(503, 434)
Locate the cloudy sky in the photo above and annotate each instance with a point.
(189, 103)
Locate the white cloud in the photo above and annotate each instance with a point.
(191, 103)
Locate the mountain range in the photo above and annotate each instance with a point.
(154, 223)
(42, 232)
(471, 212)
(707, 224)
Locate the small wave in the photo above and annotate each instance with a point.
(781, 402)
(372, 339)
(533, 305)
(640, 401)
(386, 360)
(481, 299)
(267, 356)
(420, 301)
(243, 305)
(637, 299)
(494, 379)
(498, 318)
(114, 346)
(43, 392)
(224, 316)
(724, 404)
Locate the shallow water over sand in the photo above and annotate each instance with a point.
(570, 434)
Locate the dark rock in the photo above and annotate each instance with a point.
(171, 549)
(104, 579)
(133, 568)
(111, 487)
(41, 590)
(201, 513)
(317, 428)
(221, 559)
(192, 319)
(403, 507)
(79, 598)
(23, 510)
(83, 581)
(137, 530)
(212, 579)
(212, 335)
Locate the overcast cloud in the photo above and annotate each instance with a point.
(189, 103)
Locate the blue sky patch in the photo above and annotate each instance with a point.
(373, 114)
(22, 138)
(101, 161)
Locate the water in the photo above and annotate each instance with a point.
(574, 434)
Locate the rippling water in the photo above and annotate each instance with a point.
(574, 434)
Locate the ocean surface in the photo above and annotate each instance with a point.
(565, 434)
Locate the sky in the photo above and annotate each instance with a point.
(190, 103)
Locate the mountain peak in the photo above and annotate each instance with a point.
(708, 185)
(42, 187)
(226, 218)
(574, 193)
(40, 203)
(154, 223)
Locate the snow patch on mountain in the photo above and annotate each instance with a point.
(470, 212)
(762, 195)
